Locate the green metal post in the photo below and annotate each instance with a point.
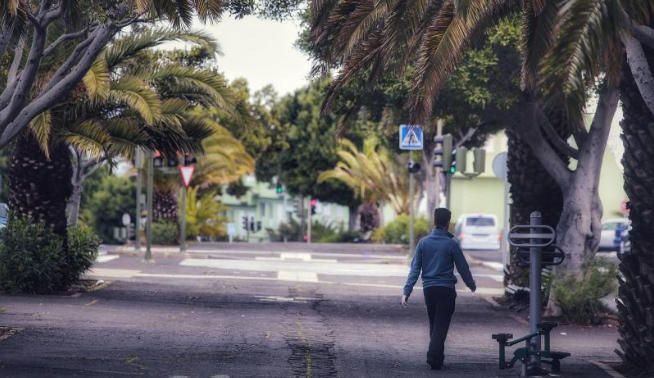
(150, 190)
(182, 218)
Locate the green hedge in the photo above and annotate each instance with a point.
(397, 231)
(165, 233)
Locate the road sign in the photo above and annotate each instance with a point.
(231, 229)
(411, 137)
(531, 236)
(187, 173)
(500, 167)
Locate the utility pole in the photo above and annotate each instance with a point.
(412, 234)
(138, 160)
(438, 174)
(149, 194)
(310, 217)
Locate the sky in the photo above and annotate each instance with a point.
(262, 51)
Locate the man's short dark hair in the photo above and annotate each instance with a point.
(442, 218)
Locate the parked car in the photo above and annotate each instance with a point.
(609, 240)
(4, 214)
(477, 231)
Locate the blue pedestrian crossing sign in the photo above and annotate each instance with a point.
(411, 137)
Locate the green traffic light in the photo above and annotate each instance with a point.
(280, 188)
(453, 169)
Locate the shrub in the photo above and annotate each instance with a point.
(164, 233)
(33, 258)
(30, 257)
(290, 230)
(83, 246)
(579, 299)
(397, 231)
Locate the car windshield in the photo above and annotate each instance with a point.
(480, 221)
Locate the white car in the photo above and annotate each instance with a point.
(608, 237)
(4, 214)
(477, 231)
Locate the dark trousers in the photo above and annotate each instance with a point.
(440, 303)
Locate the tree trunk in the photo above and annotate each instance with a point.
(74, 203)
(580, 225)
(39, 187)
(635, 299)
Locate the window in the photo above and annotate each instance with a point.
(480, 221)
(262, 209)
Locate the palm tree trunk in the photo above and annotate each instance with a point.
(39, 186)
(165, 206)
(532, 188)
(635, 299)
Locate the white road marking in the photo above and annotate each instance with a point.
(297, 276)
(315, 261)
(114, 273)
(106, 258)
(340, 269)
(399, 256)
(295, 256)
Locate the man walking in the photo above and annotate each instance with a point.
(436, 254)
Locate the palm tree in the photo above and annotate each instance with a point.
(372, 173)
(635, 303)
(124, 106)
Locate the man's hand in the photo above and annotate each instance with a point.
(405, 299)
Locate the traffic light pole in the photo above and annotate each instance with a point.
(149, 194)
(309, 224)
(139, 184)
(182, 222)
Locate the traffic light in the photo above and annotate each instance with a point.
(297, 205)
(245, 223)
(252, 224)
(172, 162)
(461, 159)
(443, 151)
(189, 160)
(313, 204)
(413, 166)
(280, 188)
(479, 165)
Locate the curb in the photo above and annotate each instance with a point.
(607, 369)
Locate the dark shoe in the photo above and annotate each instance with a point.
(434, 365)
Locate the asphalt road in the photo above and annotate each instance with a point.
(276, 311)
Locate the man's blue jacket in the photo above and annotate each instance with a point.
(436, 255)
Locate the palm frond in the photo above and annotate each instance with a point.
(132, 45)
(97, 80)
(89, 137)
(41, 128)
(137, 94)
